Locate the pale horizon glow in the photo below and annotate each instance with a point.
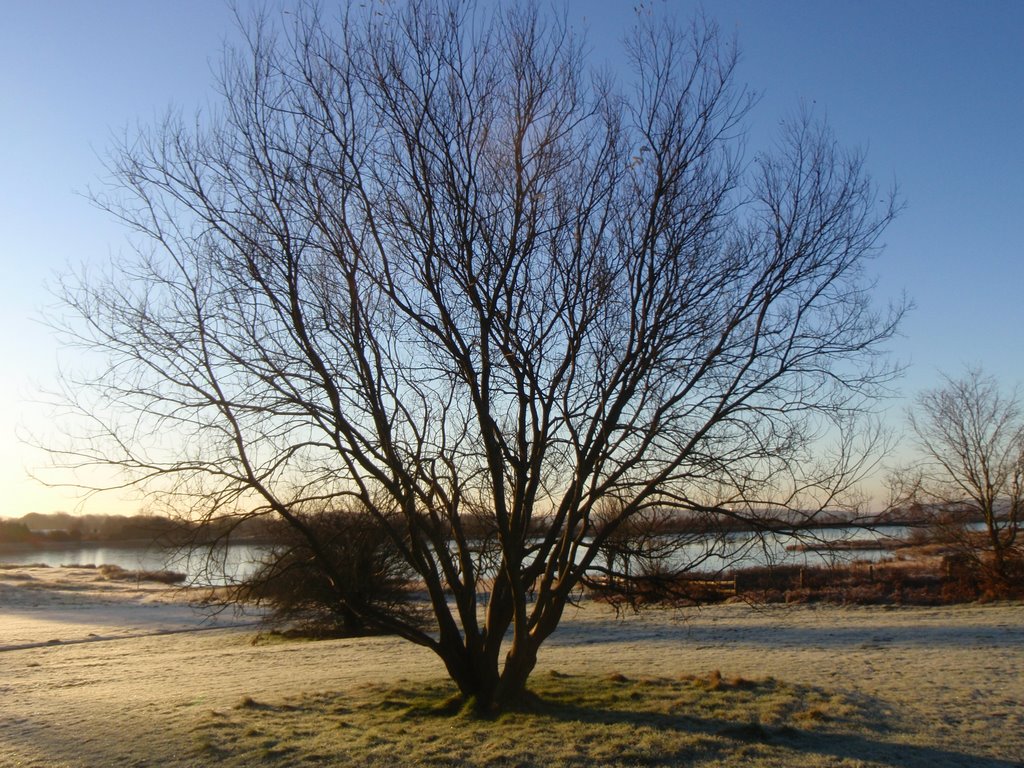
(931, 91)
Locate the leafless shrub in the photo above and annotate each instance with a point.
(354, 572)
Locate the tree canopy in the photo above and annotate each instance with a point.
(427, 267)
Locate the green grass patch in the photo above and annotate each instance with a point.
(573, 721)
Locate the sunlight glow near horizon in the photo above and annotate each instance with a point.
(930, 89)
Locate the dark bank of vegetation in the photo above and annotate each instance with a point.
(43, 530)
(64, 528)
(60, 529)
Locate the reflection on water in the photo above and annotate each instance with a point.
(235, 562)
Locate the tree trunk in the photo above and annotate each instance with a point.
(481, 684)
(998, 560)
(519, 664)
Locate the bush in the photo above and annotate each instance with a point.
(355, 574)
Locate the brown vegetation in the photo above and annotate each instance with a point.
(923, 578)
(117, 573)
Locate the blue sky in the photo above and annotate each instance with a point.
(934, 91)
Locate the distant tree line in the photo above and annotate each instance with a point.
(61, 527)
(13, 531)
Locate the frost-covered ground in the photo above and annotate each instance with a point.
(122, 673)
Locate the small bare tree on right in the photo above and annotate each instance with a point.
(969, 434)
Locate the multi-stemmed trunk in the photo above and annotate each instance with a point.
(486, 684)
(1001, 539)
(491, 668)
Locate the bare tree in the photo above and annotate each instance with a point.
(969, 435)
(425, 266)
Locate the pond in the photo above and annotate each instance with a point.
(224, 565)
(232, 563)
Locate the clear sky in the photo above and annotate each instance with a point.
(933, 90)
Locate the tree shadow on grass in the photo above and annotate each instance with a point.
(722, 737)
(864, 732)
(581, 720)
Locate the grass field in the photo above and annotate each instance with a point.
(575, 721)
(97, 673)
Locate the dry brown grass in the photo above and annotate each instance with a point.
(117, 573)
(914, 579)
